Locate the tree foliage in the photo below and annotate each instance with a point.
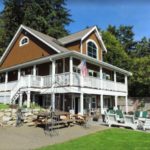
(48, 16)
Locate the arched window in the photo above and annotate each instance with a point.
(24, 40)
(92, 49)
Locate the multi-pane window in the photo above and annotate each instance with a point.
(92, 49)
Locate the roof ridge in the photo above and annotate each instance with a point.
(78, 31)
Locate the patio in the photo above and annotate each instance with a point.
(16, 138)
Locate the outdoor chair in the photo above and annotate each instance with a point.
(146, 124)
(130, 122)
(111, 119)
(120, 115)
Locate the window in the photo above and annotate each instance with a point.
(91, 49)
(24, 40)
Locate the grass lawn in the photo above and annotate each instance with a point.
(111, 139)
(3, 106)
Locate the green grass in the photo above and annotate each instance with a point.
(111, 139)
(3, 106)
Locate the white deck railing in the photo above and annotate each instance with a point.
(64, 79)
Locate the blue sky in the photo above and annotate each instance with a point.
(115, 12)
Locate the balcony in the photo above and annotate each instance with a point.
(61, 80)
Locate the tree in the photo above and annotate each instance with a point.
(115, 52)
(142, 48)
(125, 35)
(139, 82)
(48, 16)
(1, 33)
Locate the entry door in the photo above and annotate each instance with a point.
(76, 105)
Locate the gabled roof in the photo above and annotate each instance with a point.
(81, 35)
(49, 41)
(75, 36)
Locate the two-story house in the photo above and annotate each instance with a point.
(36, 68)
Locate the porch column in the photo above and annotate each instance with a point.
(116, 101)
(126, 83)
(34, 70)
(115, 79)
(101, 77)
(81, 103)
(102, 104)
(19, 74)
(71, 70)
(53, 101)
(53, 72)
(28, 99)
(20, 99)
(6, 80)
(126, 104)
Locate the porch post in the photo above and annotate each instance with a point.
(19, 74)
(20, 99)
(34, 70)
(116, 101)
(102, 104)
(115, 79)
(53, 101)
(71, 70)
(81, 103)
(126, 104)
(6, 80)
(126, 83)
(28, 99)
(53, 73)
(101, 77)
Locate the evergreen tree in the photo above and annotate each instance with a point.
(47, 16)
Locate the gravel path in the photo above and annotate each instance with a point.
(26, 138)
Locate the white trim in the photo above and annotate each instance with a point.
(75, 54)
(40, 39)
(97, 49)
(98, 36)
(20, 42)
(15, 37)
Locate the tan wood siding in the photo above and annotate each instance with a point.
(93, 37)
(34, 50)
(74, 46)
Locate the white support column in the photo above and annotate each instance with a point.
(53, 72)
(28, 99)
(34, 70)
(81, 78)
(101, 77)
(102, 104)
(19, 73)
(81, 103)
(53, 101)
(20, 99)
(71, 70)
(115, 80)
(126, 83)
(116, 101)
(126, 104)
(6, 81)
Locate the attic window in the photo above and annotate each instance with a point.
(92, 49)
(24, 40)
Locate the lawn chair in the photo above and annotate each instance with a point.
(120, 116)
(130, 122)
(111, 119)
(146, 124)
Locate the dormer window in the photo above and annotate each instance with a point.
(92, 49)
(24, 40)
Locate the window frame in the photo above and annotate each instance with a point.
(97, 49)
(21, 40)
